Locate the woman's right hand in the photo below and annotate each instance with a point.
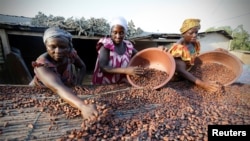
(134, 70)
(209, 86)
(89, 111)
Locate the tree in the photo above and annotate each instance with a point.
(132, 31)
(241, 39)
(86, 27)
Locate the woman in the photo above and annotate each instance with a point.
(114, 54)
(185, 51)
(60, 67)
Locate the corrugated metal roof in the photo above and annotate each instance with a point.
(152, 35)
(24, 23)
(20, 23)
(223, 32)
(17, 20)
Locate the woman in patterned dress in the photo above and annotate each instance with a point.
(185, 51)
(114, 54)
(57, 69)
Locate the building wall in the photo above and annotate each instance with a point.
(215, 40)
(244, 57)
(140, 45)
(86, 49)
(212, 41)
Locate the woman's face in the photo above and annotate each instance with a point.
(57, 48)
(117, 34)
(191, 35)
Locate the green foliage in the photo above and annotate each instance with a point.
(240, 36)
(132, 30)
(82, 26)
(241, 39)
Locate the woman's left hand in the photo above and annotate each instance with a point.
(77, 88)
(221, 49)
(163, 48)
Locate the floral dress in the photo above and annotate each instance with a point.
(115, 61)
(187, 54)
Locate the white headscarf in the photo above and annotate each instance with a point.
(119, 21)
(57, 32)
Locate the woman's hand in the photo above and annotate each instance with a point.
(77, 88)
(209, 86)
(89, 112)
(163, 48)
(134, 70)
(221, 49)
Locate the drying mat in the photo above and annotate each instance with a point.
(177, 110)
(22, 120)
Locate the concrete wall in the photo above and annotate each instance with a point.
(139, 45)
(212, 41)
(244, 57)
(208, 42)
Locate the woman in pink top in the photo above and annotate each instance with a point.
(114, 54)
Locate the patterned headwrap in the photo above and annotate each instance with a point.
(57, 32)
(119, 21)
(190, 23)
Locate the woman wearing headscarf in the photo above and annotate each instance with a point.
(60, 68)
(185, 51)
(114, 54)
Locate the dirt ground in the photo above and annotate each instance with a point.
(178, 111)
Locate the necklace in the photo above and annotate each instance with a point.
(191, 48)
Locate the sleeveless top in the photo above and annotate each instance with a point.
(115, 61)
(68, 76)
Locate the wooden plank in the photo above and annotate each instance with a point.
(18, 71)
(5, 42)
(1, 53)
(25, 33)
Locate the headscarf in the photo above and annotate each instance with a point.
(188, 24)
(119, 21)
(57, 32)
